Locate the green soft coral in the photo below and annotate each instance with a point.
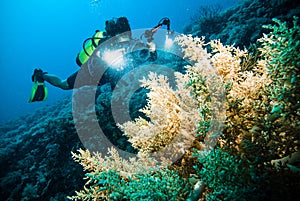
(227, 176)
(281, 49)
(281, 55)
(238, 175)
(163, 185)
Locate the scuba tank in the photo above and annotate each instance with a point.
(89, 45)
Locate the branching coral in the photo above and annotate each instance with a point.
(280, 50)
(113, 161)
(243, 88)
(157, 186)
(173, 117)
(279, 130)
(115, 178)
(262, 103)
(230, 180)
(206, 86)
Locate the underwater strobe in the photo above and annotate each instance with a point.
(149, 34)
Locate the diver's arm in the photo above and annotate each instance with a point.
(56, 81)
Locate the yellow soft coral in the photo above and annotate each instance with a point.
(173, 115)
(245, 90)
(259, 109)
(96, 162)
(171, 112)
(246, 86)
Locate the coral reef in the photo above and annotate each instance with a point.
(262, 118)
(229, 122)
(35, 155)
(241, 24)
(261, 125)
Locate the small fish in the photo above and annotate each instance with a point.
(94, 2)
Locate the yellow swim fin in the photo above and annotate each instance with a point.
(39, 91)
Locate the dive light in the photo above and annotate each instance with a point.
(149, 33)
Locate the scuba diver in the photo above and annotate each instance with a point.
(120, 30)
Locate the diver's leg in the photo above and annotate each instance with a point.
(56, 81)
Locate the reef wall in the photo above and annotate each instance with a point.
(240, 25)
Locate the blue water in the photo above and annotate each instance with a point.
(49, 33)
